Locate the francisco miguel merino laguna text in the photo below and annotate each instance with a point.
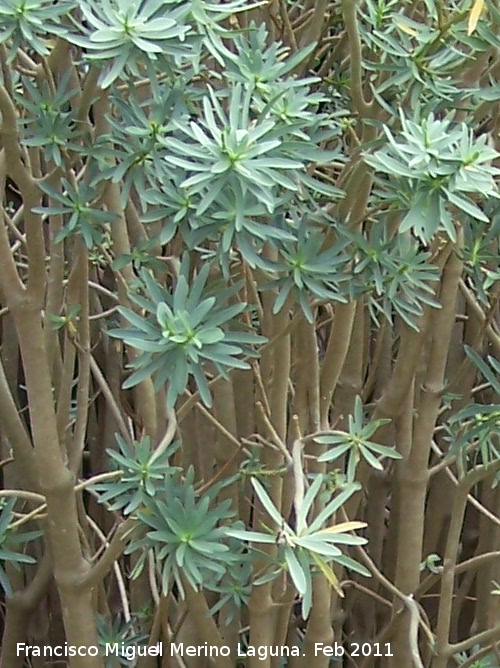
(130, 652)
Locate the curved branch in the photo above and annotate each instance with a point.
(364, 108)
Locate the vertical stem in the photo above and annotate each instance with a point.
(414, 471)
(449, 564)
(319, 625)
(56, 483)
(336, 353)
(275, 366)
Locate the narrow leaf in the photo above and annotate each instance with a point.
(475, 13)
(328, 573)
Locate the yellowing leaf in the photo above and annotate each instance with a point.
(344, 526)
(328, 573)
(406, 28)
(475, 13)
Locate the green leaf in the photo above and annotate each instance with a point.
(251, 536)
(333, 506)
(467, 206)
(295, 569)
(269, 506)
(485, 370)
(307, 502)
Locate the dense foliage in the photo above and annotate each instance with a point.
(250, 334)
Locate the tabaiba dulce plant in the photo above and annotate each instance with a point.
(250, 346)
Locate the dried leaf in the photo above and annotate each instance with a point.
(344, 527)
(328, 573)
(475, 13)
